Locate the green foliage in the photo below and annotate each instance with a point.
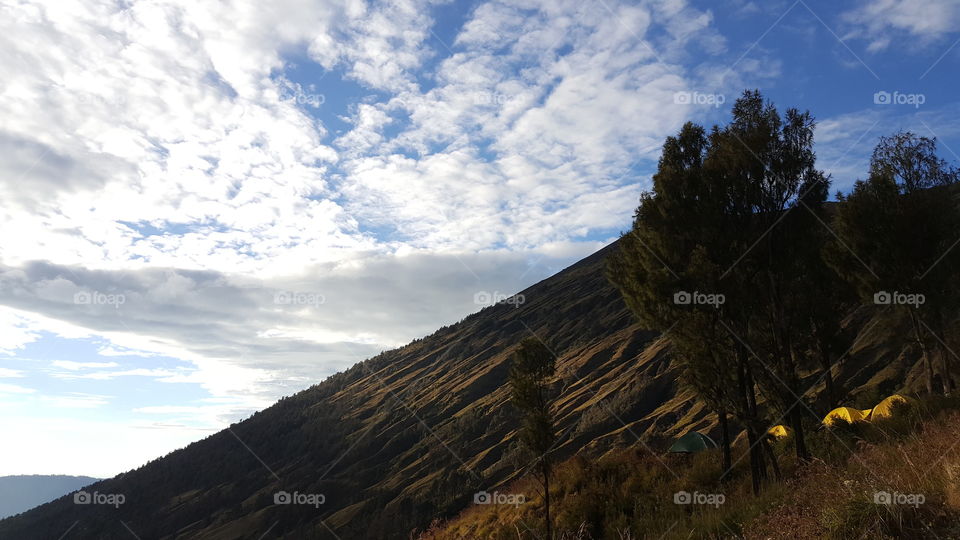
(896, 234)
(530, 372)
(720, 221)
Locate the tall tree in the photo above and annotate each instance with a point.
(768, 163)
(898, 232)
(684, 235)
(824, 312)
(663, 256)
(721, 219)
(532, 368)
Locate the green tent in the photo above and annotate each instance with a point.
(692, 442)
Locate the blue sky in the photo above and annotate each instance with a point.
(209, 205)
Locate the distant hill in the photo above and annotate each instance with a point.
(23, 492)
(411, 434)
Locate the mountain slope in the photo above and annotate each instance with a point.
(411, 434)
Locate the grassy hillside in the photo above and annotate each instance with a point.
(912, 462)
(412, 434)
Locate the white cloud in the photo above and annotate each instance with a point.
(41, 441)
(14, 331)
(533, 125)
(153, 153)
(7, 373)
(880, 21)
(172, 119)
(75, 366)
(76, 400)
(844, 142)
(158, 374)
(178, 123)
(15, 389)
(111, 350)
(234, 337)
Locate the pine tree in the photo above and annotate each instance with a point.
(532, 368)
(769, 163)
(898, 232)
(664, 255)
(730, 215)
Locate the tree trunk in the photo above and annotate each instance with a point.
(945, 360)
(794, 413)
(924, 354)
(751, 393)
(725, 440)
(773, 459)
(803, 454)
(761, 457)
(754, 463)
(752, 431)
(546, 498)
(948, 384)
(827, 363)
(744, 413)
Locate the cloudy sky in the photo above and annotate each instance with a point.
(206, 205)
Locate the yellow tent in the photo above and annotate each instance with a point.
(842, 413)
(884, 409)
(778, 432)
(866, 413)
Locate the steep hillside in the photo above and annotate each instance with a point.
(631, 493)
(413, 433)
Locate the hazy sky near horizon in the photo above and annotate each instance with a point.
(206, 205)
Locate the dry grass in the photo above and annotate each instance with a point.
(630, 494)
(838, 501)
